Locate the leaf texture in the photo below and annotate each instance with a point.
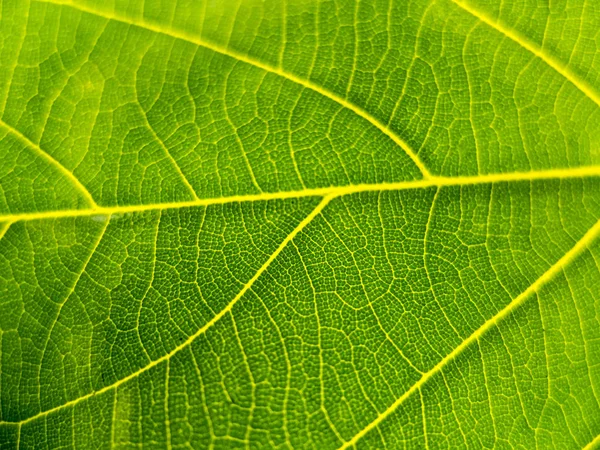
(292, 224)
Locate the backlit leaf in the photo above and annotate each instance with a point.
(299, 224)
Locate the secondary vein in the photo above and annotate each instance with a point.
(180, 35)
(552, 61)
(52, 161)
(547, 276)
(593, 443)
(315, 212)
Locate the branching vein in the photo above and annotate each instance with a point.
(315, 212)
(590, 171)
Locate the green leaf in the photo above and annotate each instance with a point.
(299, 224)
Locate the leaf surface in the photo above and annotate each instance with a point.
(290, 224)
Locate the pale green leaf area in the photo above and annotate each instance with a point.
(299, 224)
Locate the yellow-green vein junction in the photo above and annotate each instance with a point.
(581, 172)
(315, 212)
(580, 246)
(196, 40)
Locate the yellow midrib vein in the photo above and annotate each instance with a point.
(521, 40)
(324, 201)
(53, 162)
(580, 172)
(196, 40)
(581, 245)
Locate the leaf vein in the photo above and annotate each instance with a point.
(580, 172)
(51, 160)
(547, 276)
(560, 67)
(256, 63)
(227, 309)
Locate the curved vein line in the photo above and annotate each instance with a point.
(303, 223)
(62, 169)
(547, 276)
(168, 154)
(580, 172)
(256, 63)
(560, 67)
